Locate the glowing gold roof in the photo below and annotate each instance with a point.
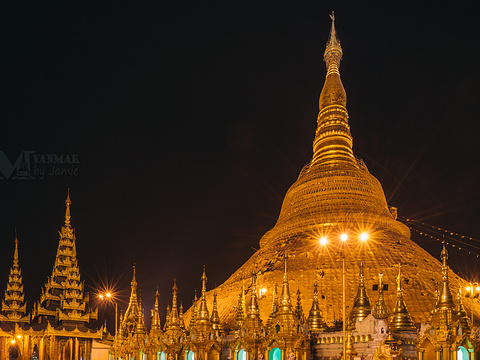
(335, 193)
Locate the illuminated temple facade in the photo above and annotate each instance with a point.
(286, 302)
(60, 325)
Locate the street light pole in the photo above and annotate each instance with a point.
(344, 310)
(116, 327)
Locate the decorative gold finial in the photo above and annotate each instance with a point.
(68, 202)
(361, 305)
(15, 254)
(134, 280)
(380, 306)
(401, 320)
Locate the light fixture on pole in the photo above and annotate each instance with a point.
(108, 296)
(473, 291)
(344, 237)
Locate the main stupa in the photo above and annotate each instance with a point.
(335, 194)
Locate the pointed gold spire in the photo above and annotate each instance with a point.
(461, 312)
(203, 316)
(400, 320)
(155, 323)
(215, 320)
(316, 322)
(274, 309)
(333, 142)
(380, 306)
(446, 300)
(68, 202)
(361, 305)
(285, 299)
(299, 308)
(131, 317)
(193, 317)
(239, 312)
(15, 253)
(253, 323)
(174, 319)
(180, 316)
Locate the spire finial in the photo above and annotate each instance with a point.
(380, 306)
(333, 141)
(67, 211)
(361, 305)
(15, 254)
(134, 280)
(401, 319)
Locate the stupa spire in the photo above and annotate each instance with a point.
(461, 312)
(239, 312)
(285, 300)
(203, 316)
(155, 323)
(333, 142)
(316, 322)
(215, 320)
(446, 300)
(274, 309)
(174, 318)
(361, 305)
(299, 308)
(401, 320)
(180, 317)
(380, 306)
(252, 321)
(193, 317)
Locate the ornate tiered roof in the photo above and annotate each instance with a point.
(63, 297)
(14, 307)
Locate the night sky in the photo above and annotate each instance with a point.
(192, 119)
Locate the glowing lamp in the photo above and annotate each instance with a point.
(468, 288)
(19, 336)
(478, 288)
(12, 341)
(100, 296)
(364, 236)
(323, 241)
(108, 295)
(344, 237)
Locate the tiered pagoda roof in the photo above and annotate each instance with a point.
(63, 298)
(14, 307)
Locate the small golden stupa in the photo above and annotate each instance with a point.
(335, 194)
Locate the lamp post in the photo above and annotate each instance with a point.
(473, 291)
(344, 237)
(109, 298)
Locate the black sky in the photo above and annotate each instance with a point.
(192, 119)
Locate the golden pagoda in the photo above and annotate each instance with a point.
(335, 194)
(14, 307)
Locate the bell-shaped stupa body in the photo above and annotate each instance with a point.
(335, 194)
